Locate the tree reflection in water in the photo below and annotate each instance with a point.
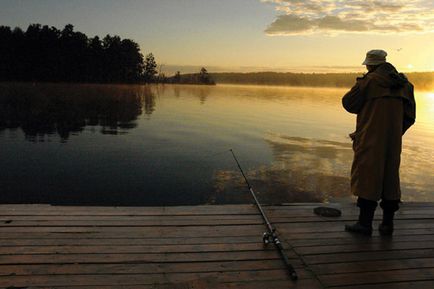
(64, 109)
(201, 92)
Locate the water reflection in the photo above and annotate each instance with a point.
(202, 92)
(315, 170)
(303, 170)
(292, 142)
(41, 110)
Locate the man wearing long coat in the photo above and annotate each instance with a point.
(384, 102)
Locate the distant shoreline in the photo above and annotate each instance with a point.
(421, 80)
(423, 87)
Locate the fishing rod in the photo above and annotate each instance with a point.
(271, 235)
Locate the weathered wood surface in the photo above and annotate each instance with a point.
(45, 246)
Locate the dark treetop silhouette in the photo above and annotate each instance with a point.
(43, 53)
(203, 77)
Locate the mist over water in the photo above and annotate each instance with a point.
(168, 145)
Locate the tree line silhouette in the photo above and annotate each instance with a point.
(43, 53)
(47, 54)
(203, 77)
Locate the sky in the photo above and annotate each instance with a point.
(249, 35)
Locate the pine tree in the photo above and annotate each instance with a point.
(150, 68)
(204, 77)
(177, 77)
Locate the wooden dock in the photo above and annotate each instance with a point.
(197, 247)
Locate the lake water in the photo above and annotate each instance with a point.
(169, 145)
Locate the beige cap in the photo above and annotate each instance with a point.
(375, 57)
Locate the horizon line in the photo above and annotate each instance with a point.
(322, 69)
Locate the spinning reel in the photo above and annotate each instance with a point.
(268, 237)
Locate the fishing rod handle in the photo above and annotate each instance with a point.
(288, 265)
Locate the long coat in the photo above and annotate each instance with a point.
(384, 103)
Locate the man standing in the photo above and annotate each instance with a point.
(384, 103)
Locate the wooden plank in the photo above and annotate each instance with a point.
(314, 219)
(114, 258)
(272, 213)
(130, 223)
(300, 284)
(404, 204)
(363, 256)
(129, 218)
(115, 240)
(420, 274)
(132, 279)
(340, 233)
(371, 266)
(293, 228)
(338, 226)
(353, 213)
(126, 211)
(118, 249)
(137, 234)
(398, 285)
(144, 268)
(352, 239)
(365, 247)
(136, 286)
(146, 211)
(166, 209)
(23, 221)
(199, 284)
(228, 232)
(201, 208)
(235, 230)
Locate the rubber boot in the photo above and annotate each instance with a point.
(389, 208)
(364, 225)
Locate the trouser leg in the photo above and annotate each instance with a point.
(367, 211)
(366, 215)
(389, 208)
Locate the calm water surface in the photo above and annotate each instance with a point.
(168, 145)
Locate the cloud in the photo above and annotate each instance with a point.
(299, 17)
(335, 23)
(289, 23)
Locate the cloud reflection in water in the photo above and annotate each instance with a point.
(303, 170)
(315, 170)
